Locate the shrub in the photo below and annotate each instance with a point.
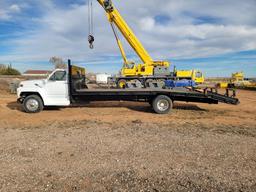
(8, 70)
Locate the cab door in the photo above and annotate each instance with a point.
(56, 89)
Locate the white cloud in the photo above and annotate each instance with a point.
(196, 29)
(4, 15)
(147, 23)
(8, 11)
(14, 8)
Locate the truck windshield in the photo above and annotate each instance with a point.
(59, 76)
(198, 74)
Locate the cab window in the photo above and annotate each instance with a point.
(59, 76)
(198, 74)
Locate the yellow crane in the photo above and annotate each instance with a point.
(148, 70)
(147, 73)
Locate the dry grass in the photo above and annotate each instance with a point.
(4, 86)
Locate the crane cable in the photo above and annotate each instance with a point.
(90, 24)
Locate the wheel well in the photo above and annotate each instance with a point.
(25, 94)
(164, 95)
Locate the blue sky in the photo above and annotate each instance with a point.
(217, 37)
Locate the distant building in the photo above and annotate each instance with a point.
(37, 73)
(102, 78)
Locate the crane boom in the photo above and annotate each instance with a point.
(150, 73)
(115, 17)
(142, 74)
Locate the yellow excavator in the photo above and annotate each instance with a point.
(146, 74)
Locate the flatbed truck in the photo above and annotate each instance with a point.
(67, 87)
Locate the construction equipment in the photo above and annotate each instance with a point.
(238, 81)
(140, 74)
(238, 76)
(194, 75)
(149, 73)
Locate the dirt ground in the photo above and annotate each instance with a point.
(124, 146)
(4, 87)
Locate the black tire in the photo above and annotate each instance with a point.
(162, 104)
(162, 83)
(147, 82)
(121, 84)
(32, 104)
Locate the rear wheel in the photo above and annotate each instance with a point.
(162, 104)
(33, 104)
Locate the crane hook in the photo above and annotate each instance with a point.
(90, 24)
(91, 40)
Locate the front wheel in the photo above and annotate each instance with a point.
(33, 104)
(162, 104)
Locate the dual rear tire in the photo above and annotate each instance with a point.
(162, 104)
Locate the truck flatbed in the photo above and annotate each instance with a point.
(141, 95)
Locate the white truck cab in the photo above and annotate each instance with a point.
(52, 91)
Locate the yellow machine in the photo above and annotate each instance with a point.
(237, 77)
(238, 80)
(194, 75)
(148, 69)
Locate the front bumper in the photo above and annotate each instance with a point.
(20, 98)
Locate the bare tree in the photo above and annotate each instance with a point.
(58, 62)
